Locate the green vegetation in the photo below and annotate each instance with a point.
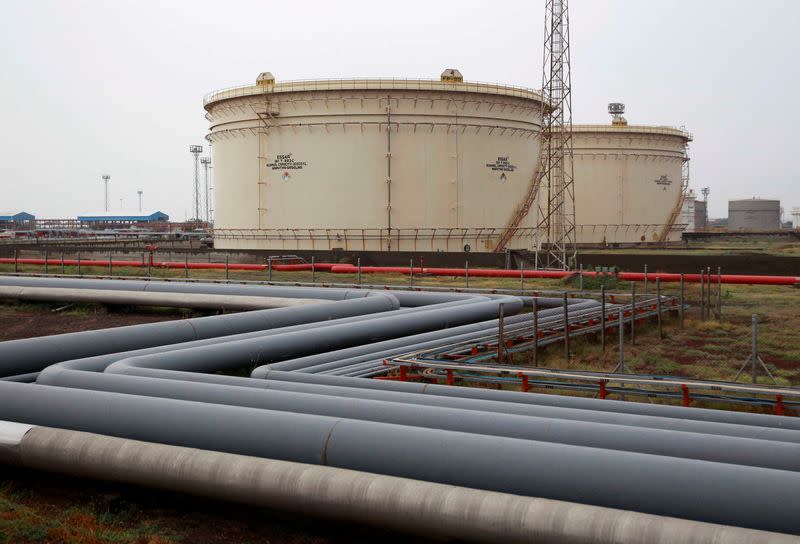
(24, 520)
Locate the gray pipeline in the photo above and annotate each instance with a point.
(34, 354)
(448, 512)
(685, 488)
(257, 351)
(691, 445)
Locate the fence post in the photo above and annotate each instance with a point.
(359, 271)
(79, 263)
(227, 269)
(621, 364)
(603, 317)
(313, 271)
(16, 264)
(645, 279)
(566, 328)
(702, 295)
(633, 314)
(658, 306)
(719, 292)
(63, 269)
(754, 347)
(186, 265)
(501, 335)
(149, 263)
(46, 267)
(411, 272)
(680, 309)
(708, 292)
(466, 274)
(269, 268)
(110, 265)
(522, 278)
(580, 277)
(535, 332)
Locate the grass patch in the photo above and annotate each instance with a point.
(20, 521)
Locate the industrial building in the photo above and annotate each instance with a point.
(15, 218)
(421, 165)
(754, 214)
(118, 219)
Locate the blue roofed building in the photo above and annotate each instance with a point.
(119, 219)
(15, 218)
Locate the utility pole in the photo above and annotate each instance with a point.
(106, 179)
(196, 150)
(140, 200)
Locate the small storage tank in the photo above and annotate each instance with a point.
(755, 214)
(700, 214)
(363, 164)
(628, 181)
(687, 216)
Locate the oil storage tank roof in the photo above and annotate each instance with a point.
(266, 85)
(633, 129)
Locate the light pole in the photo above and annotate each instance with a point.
(196, 150)
(106, 179)
(140, 200)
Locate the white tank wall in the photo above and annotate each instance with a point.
(754, 214)
(462, 156)
(627, 182)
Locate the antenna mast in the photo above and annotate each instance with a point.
(557, 219)
(556, 215)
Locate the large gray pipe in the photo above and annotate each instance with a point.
(609, 406)
(34, 354)
(340, 358)
(406, 298)
(698, 490)
(723, 449)
(146, 298)
(319, 384)
(345, 495)
(234, 355)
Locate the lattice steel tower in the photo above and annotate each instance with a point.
(196, 150)
(556, 215)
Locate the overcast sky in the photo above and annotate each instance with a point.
(115, 86)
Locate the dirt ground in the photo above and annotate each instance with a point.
(31, 320)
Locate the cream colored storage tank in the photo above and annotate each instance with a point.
(628, 181)
(754, 214)
(408, 165)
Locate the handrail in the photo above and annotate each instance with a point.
(371, 83)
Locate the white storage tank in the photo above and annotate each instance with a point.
(754, 214)
(628, 181)
(360, 164)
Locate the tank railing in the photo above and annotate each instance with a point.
(644, 129)
(371, 83)
(421, 239)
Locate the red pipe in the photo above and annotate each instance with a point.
(456, 272)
